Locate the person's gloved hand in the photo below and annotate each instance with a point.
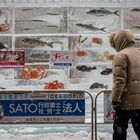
(116, 105)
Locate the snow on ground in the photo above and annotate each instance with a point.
(81, 135)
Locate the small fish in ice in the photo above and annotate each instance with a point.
(136, 10)
(137, 39)
(36, 42)
(38, 57)
(36, 20)
(2, 88)
(49, 20)
(27, 9)
(48, 13)
(102, 12)
(91, 27)
(98, 85)
(85, 68)
(107, 71)
(27, 29)
(136, 27)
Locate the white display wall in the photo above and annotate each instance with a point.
(41, 26)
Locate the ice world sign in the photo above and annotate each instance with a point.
(46, 108)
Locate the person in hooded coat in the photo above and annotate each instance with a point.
(126, 84)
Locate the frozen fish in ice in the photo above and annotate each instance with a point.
(98, 85)
(28, 28)
(97, 40)
(38, 55)
(50, 20)
(107, 71)
(90, 27)
(136, 27)
(102, 12)
(2, 88)
(85, 68)
(36, 42)
(81, 53)
(136, 10)
(137, 39)
(27, 9)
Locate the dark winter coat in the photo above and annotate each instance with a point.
(126, 70)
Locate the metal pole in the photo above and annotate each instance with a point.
(92, 109)
(95, 109)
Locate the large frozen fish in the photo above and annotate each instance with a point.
(50, 20)
(91, 27)
(102, 12)
(36, 42)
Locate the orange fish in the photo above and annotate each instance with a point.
(81, 53)
(97, 40)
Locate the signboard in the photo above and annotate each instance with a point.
(62, 59)
(109, 112)
(38, 107)
(12, 58)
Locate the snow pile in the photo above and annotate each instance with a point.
(81, 135)
(107, 136)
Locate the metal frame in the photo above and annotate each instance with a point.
(95, 110)
(60, 91)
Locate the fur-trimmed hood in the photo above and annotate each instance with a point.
(122, 39)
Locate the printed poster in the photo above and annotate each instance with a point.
(12, 58)
(38, 107)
